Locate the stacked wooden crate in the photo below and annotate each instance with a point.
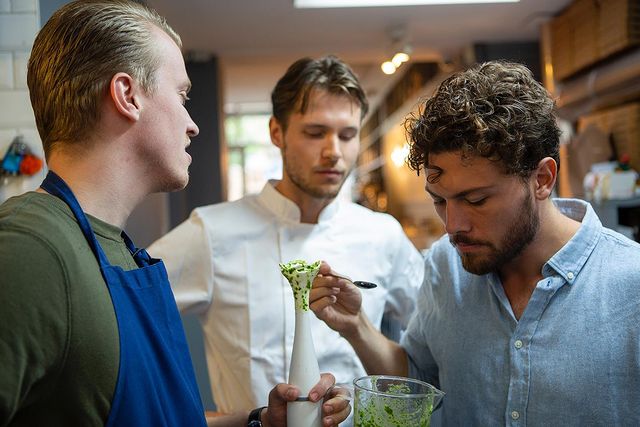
(584, 15)
(619, 25)
(562, 46)
(589, 31)
(623, 124)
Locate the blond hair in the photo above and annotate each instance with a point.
(75, 55)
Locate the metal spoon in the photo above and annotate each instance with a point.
(364, 285)
(359, 283)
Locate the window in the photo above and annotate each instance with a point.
(253, 160)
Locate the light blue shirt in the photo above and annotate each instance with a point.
(573, 358)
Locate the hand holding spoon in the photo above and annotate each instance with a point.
(358, 283)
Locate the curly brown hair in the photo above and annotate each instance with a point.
(495, 110)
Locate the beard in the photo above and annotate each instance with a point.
(519, 234)
(296, 174)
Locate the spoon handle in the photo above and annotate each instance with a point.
(359, 283)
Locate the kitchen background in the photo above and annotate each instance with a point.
(586, 52)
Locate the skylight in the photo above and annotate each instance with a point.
(311, 4)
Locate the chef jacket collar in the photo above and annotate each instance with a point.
(283, 207)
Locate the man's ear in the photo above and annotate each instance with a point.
(125, 95)
(276, 132)
(546, 175)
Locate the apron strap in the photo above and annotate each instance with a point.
(56, 186)
(140, 255)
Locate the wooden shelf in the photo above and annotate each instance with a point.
(419, 80)
(591, 55)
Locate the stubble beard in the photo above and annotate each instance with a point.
(317, 191)
(518, 236)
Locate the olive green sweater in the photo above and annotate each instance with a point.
(59, 350)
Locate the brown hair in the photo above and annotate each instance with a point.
(76, 54)
(495, 110)
(328, 73)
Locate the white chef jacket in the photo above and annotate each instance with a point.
(223, 264)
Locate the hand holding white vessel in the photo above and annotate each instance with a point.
(304, 371)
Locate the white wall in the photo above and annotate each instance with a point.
(19, 23)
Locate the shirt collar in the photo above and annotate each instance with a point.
(570, 259)
(283, 207)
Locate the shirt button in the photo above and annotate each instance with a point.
(515, 415)
(570, 275)
(518, 345)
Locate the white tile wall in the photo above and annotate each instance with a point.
(24, 6)
(15, 110)
(6, 71)
(18, 30)
(19, 23)
(20, 60)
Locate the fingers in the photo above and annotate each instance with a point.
(321, 298)
(327, 277)
(318, 307)
(322, 292)
(276, 412)
(325, 269)
(336, 407)
(335, 411)
(340, 392)
(320, 390)
(283, 393)
(325, 290)
(327, 281)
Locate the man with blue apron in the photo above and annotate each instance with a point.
(156, 384)
(108, 87)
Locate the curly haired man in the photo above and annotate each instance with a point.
(528, 313)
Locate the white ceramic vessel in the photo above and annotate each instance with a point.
(304, 373)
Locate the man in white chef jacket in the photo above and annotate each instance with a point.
(223, 260)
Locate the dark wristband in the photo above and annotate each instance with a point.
(254, 418)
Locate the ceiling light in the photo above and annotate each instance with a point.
(399, 58)
(388, 67)
(302, 4)
(399, 155)
(401, 46)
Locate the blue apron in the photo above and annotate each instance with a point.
(156, 383)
